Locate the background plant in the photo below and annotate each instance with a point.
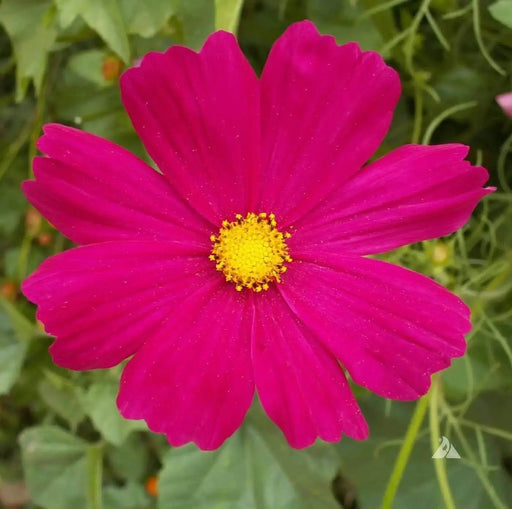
(60, 433)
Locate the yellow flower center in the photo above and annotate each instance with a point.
(251, 251)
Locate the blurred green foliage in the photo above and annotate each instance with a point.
(60, 432)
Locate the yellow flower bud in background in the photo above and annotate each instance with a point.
(9, 290)
(33, 221)
(441, 254)
(112, 68)
(151, 485)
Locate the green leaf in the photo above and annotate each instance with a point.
(103, 16)
(197, 19)
(12, 261)
(23, 327)
(227, 14)
(502, 11)
(15, 330)
(131, 496)
(130, 460)
(344, 21)
(146, 17)
(60, 394)
(100, 404)
(12, 355)
(95, 109)
(55, 467)
(31, 29)
(88, 65)
(255, 468)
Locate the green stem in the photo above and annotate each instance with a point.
(382, 17)
(418, 113)
(442, 116)
(94, 458)
(38, 123)
(405, 452)
(468, 453)
(412, 30)
(439, 465)
(23, 257)
(480, 42)
(486, 429)
(478, 307)
(15, 147)
(504, 150)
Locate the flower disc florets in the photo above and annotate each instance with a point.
(251, 251)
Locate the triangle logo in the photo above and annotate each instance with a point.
(446, 450)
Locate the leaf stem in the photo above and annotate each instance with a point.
(418, 113)
(480, 42)
(439, 465)
(487, 485)
(405, 451)
(94, 460)
(442, 116)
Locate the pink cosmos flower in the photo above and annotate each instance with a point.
(241, 266)
(505, 102)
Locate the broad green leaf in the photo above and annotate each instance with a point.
(23, 327)
(30, 26)
(88, 65)
(131, 496)
(146, 17)
(474, 373)
(502, 11)
(79, 100)
(12, 353)
(131, 459)
(61, 395)
(344, 21)
(55, 467)
(103, 16)
(227, 14)
(97, 110)
(67, 12)
(197, 19)
(100, 404)
(255, 468)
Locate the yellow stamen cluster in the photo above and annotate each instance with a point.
(251, 251)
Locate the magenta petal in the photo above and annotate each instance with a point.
(505, 102)
(103, 301)
(94, 191)
(301, 386)
(193, 381)
(325, 110)
(391, 328)
(414, 193)
(198, 116)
